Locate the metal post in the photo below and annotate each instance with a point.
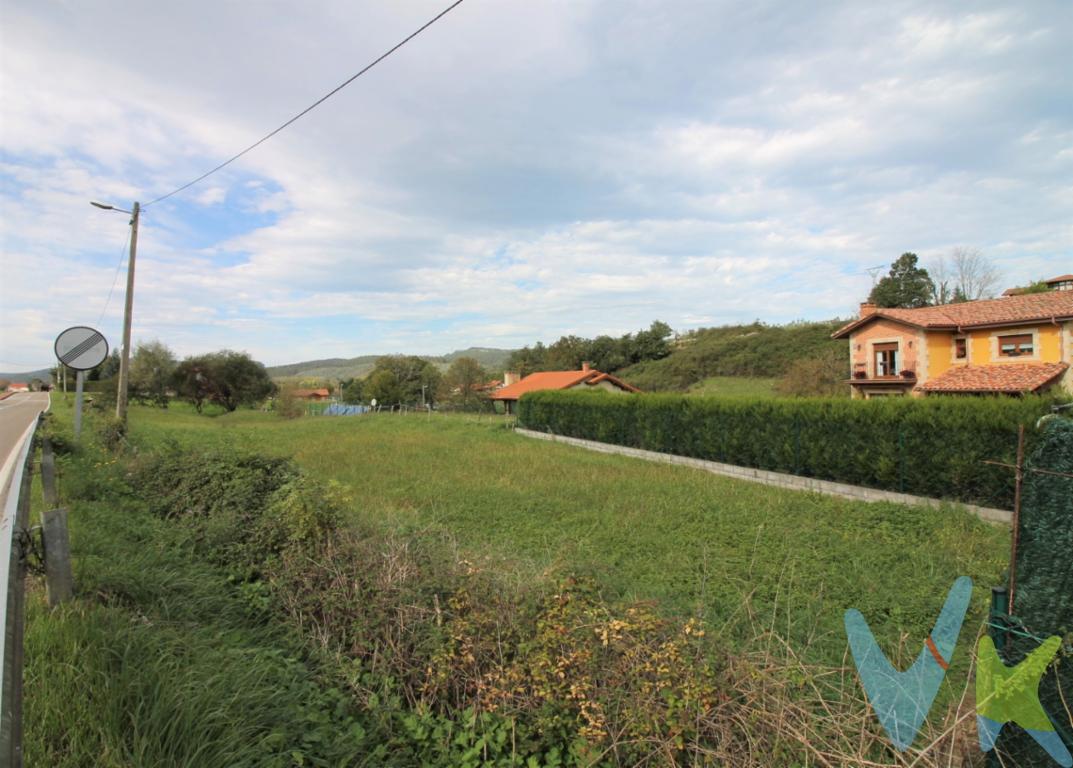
(80, 379)
(999, 611)
(124, 357)
(1019, 475)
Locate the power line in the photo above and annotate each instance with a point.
(115, 279)
(314, 105)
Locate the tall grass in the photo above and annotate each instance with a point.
(488, 601)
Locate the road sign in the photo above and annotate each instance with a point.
(81, 348)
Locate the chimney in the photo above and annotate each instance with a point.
(510, 377)
(867, 308)
(585, 367)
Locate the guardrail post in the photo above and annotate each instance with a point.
(48, 475)
(58, 576)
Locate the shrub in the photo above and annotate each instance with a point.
(288, 406)
(931, 447)
(112, 432)
(820, 376)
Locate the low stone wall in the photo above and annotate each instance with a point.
(778, 479)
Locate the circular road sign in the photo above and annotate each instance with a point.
(81, 348)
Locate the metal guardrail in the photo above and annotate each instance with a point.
(15, 477)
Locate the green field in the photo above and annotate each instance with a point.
(695, 542)
(175, 655)
(734, 386)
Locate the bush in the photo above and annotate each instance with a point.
(288, 406)
(820, 376)
(931, 447)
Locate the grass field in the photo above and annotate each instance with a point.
(697, 543)
(168, 657)
(734, 386)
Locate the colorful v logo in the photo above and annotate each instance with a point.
(903, 699)
(1011, 695)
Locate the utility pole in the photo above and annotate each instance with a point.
(124, 358)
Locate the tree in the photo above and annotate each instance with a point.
(227, 378)
(413, 380)
(605, 353)
(964, 274)
(1039, 286)
(353, 391)
(109, 369)
(151, 371)
(464, 384)
(907, 285)
(192, 380)
(383, 386)
(4, 384)
(653, 344)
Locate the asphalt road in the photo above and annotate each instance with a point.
(16, 414)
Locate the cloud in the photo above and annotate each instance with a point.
(520, 171)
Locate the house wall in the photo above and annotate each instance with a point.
(1052, 344)
(606, 386)
(883, 331)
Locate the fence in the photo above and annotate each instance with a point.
(15, 477)
(16, 545)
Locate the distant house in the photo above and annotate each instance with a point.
(313, 395)
(1060, 283)
(1010, 345)
(587, 378)
(18, 386)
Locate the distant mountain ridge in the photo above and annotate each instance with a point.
(346, 368)
(44, 374)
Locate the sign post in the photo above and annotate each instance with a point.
(81, 348)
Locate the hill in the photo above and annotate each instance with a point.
(44, 374)
(356, 367)
(754, 350)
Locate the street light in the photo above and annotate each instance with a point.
(124, 358)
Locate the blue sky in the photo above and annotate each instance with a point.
(520, 171)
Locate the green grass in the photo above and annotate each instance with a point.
(160, 661)
(696, 543)
(734, 386)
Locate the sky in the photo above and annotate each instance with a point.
(520, 171)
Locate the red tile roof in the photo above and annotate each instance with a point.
(1059, 279)
(541, 380)
(1005, 377)
(1009, 310)
(311, 393)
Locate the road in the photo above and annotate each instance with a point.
(16, 414)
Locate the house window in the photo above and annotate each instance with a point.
(961, 348)
(1015, 346)
(886, 359)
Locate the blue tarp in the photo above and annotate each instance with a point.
(337, 409)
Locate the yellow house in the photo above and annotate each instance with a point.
(1013, 344)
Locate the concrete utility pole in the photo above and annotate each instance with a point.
(128, 311)
(124, 357)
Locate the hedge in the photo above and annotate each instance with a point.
(932, 446)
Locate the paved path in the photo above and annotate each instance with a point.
(16, 414)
